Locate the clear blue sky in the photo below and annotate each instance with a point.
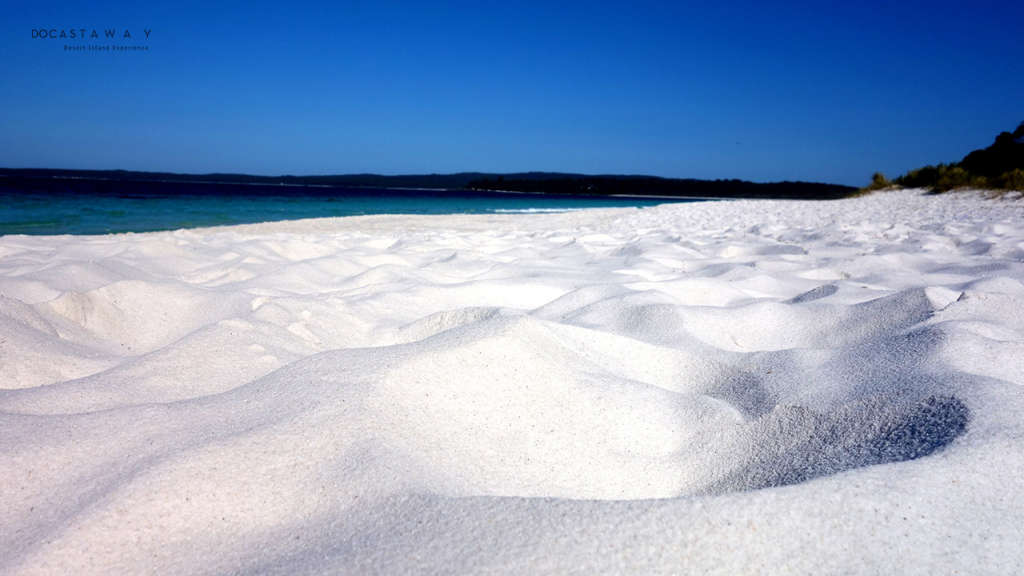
(760, 91)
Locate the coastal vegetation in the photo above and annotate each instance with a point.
(1000, 166)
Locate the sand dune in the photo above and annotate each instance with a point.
(730, 387)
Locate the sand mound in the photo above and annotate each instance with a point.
(721, 387)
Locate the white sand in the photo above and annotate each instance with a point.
(730, 387)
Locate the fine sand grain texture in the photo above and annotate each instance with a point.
(724, 387)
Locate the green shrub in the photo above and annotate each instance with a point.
(925, 177)
(952, 177)
(879, 181)
(1012, 180)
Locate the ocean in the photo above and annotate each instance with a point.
(189, 205)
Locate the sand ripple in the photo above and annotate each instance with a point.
(702, 387)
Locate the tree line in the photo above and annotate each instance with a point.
(999, 166)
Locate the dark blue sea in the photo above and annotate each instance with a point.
(173, 206)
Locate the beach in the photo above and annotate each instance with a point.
(766, 386)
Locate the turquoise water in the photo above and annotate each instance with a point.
(52, 212)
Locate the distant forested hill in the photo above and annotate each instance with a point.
(342, 180)
(654, 186)
(542, 182)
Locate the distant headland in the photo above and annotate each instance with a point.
(114, 181)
